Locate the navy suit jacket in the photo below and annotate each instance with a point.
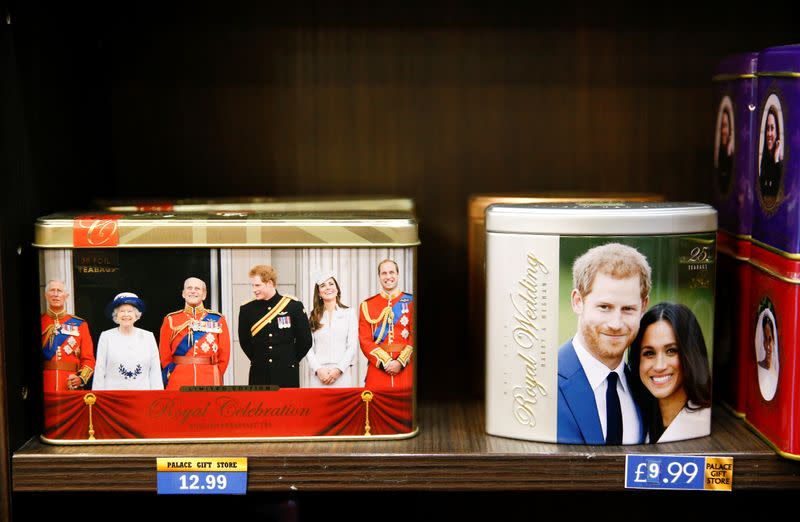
(578, 420)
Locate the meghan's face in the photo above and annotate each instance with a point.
(725, 129)
(660, 362)
(328, 291)
(771, 132)
(769, 344)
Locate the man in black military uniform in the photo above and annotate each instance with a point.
(273, 331)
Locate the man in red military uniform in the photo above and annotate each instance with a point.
(67, 347)
(386, 333)
(194, 342)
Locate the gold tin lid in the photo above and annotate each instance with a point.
(478, 203)
(263, 204)
(223, 229)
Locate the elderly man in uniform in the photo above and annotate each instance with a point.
(386, 333)
(273, 331)
(67, 347)
(194, 342)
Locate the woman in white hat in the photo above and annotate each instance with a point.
(334, 328)
(127, 357)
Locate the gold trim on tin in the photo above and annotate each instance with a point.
(732, 410)
(727, 77)
(774, 250)
(772, 272)
(327, 438)
(725, 252)
(776, 449)
(778, 74)
(272, 232)
(265, 204)
(743, 237)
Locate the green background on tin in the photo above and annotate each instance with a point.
(680, 274)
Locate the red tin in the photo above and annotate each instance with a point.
(771, 377)
(732, 323)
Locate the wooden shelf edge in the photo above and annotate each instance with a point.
(452, 453)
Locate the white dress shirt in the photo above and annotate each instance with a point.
(334, 346)
(597, 373)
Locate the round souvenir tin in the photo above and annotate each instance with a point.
(600, 321)
(228, 325)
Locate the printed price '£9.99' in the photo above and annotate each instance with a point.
(678, 472)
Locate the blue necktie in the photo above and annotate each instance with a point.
(613, 411)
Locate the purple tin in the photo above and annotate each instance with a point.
(776, 219)
(734, 109)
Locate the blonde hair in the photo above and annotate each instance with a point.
(612, 259)
(265, 272)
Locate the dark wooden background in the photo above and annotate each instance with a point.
(432, 101)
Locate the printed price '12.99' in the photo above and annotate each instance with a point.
(211, 482)
(201, 476)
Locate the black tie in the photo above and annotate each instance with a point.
(613, 411)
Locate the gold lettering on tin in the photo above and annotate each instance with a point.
(530, 304)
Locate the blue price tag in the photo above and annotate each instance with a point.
(201, 483)
(201, 476)
(665, 472)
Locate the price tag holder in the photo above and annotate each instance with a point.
(678, 472)
(201, 476)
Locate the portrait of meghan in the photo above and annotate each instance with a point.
(673, 388)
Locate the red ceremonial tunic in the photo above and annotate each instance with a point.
(67, 349)
(194, 345)
(391, 316)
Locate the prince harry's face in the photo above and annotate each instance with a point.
(608, 316)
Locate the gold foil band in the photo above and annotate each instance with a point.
(221, 233)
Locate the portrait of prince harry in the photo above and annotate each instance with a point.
(611, 285)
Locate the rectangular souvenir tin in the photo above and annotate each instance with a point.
(476, 254)
(731, 321)
(772, 373)
(735, 90)
(551, 344)
(777, 163)
(222, 392)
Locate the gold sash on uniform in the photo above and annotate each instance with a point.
(264, 321)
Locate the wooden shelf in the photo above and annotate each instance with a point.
(452, 452)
